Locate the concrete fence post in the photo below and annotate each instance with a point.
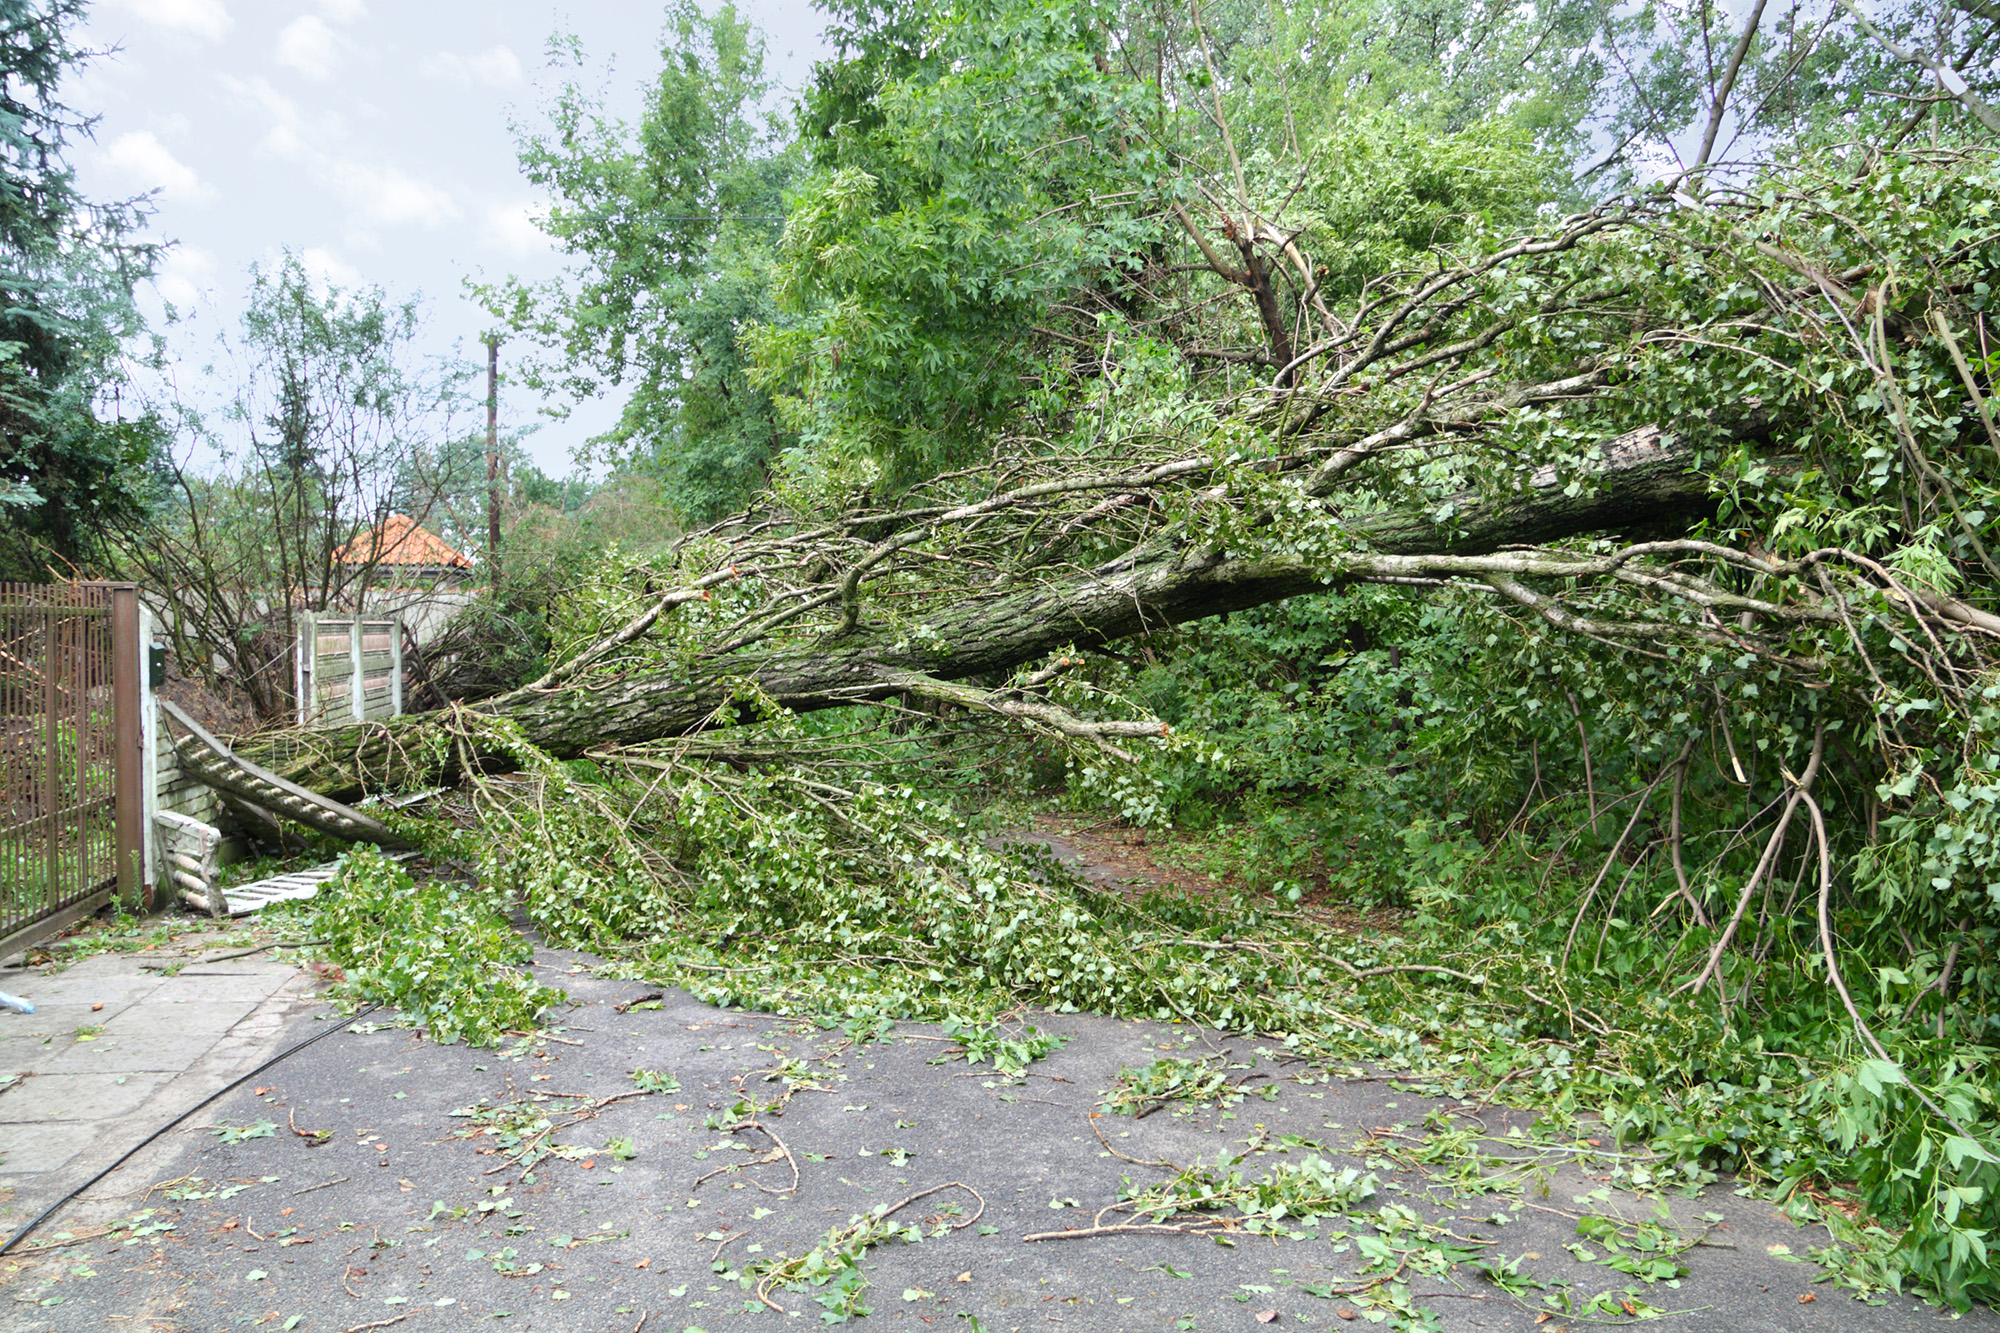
(357, 684)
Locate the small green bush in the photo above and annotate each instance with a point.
(441, 952)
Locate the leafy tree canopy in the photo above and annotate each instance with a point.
(70, 463)
(672, 223)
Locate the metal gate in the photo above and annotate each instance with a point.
(70, 754)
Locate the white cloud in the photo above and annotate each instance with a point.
(151, 165)
(184, 275)
(511, 228)
(310, 47)
(328, 269)
(496, 67)
(285, 138)
(343, 11)
(200, 18)
(374, 194)
(387, 196)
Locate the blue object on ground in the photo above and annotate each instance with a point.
(16, 1003)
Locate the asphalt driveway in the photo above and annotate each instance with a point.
(377, 1180)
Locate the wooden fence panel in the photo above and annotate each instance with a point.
(349, 669)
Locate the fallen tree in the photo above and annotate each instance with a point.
(1706, 436)
(1509, 478)
(1168, 579)
(1694, 799)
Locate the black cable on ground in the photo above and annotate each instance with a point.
(229, 1087)
(276, 944)
(225, 957)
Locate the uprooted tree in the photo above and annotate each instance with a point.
(1706, 476)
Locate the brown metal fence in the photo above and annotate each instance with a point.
(70, 758)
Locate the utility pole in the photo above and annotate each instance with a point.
(493, 453)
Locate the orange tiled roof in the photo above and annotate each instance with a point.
(398, 540)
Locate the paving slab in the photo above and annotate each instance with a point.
(35, 1148)
(222, 985)
(136, 1052)
(61, 1020)
(96, 1081)
(81, 1097)
(409, 1209)
(19, 1054)
(110, 991)
(167, 1015)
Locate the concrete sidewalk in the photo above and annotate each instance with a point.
(118, 1045)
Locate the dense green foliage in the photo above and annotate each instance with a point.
(673, 223)
(67, 269)
(443, 953)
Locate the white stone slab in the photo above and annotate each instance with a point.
(289, 887)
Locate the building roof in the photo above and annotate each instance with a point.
(399, 541)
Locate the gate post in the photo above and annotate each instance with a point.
(149, 766)
(51, 764)
(128, 741)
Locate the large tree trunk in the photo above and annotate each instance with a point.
(1640, 486)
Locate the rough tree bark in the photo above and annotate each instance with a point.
(1641, 485)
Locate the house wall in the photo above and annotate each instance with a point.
(425, 611)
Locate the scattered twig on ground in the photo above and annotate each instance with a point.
(752, 1121)
(777, 1153)
(72, 1240)
(1043, 1100)
(783, 1272)
(379, 1323)
(1136, 1161)
(316, 1137)
(765, 1130)
(1206, 1227)
(529, 1152)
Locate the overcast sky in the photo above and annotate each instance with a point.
(371, 136)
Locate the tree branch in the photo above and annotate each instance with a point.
(1954, 82)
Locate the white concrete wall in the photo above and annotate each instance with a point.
(425, 611)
